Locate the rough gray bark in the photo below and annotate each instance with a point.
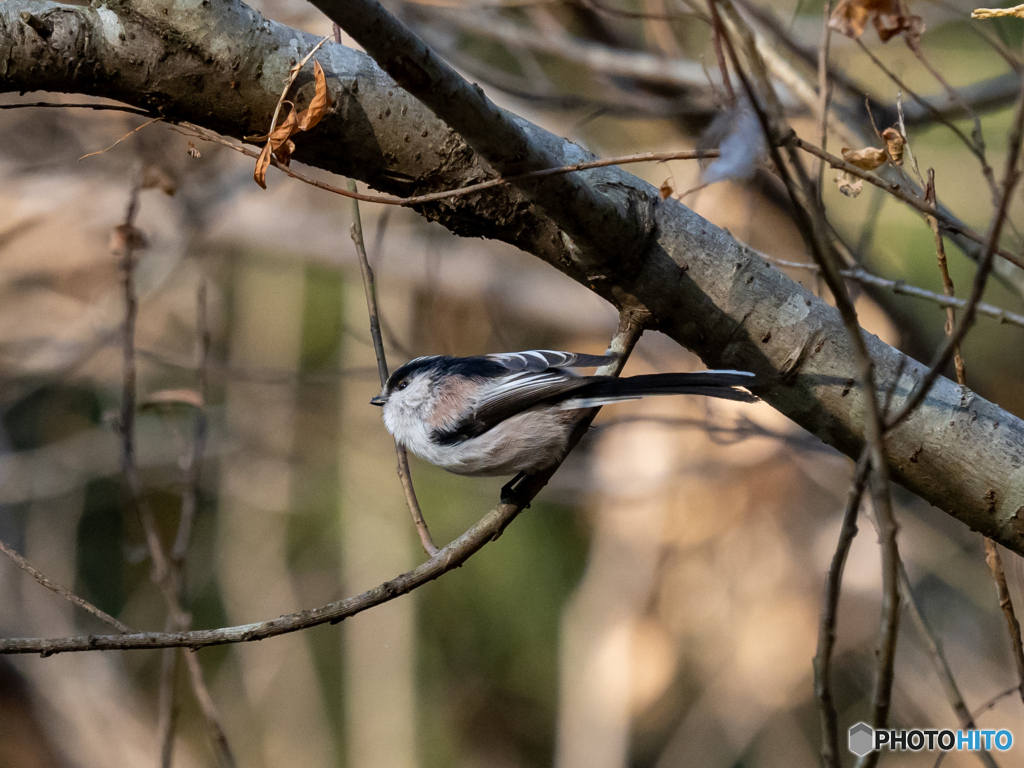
(219, 64)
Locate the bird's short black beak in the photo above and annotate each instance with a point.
(378, 400)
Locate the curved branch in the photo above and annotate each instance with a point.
(489, 528)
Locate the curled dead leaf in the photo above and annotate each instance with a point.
(995, 13)
(894, 143)
(124, 238)
(889, 18)
(279, 142)
(173, 397)
(665, 190)
(868, 158)
(848, 185)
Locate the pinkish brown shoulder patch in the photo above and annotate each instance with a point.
(452, 397)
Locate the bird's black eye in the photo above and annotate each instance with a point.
(402, 385)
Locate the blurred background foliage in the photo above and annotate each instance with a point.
(657, 606)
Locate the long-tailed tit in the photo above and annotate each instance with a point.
(513, 413)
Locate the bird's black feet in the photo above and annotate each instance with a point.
(509, 494)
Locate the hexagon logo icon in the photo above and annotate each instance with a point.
(862, 737)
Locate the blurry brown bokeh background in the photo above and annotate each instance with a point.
(657, 606)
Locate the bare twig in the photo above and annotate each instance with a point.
(193, 467)
(128, 391)
(167, 707)
(949, 224)
(830, 615)
(162, 573)
(646, 157)
(995, 565)
(1010, 178)
(167, 572)
(811, 220)
(947, 282)
(955, 97)
(370, 289)
(189, 505)
(824, 92)
(127, 135)
(225, 757)
(64, 592)
(941, 664)
(489, 528)
(902, 288)
(992, 556)
(717, 31)
(95, 107)
(934, 113)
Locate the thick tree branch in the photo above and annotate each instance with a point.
(700, 286)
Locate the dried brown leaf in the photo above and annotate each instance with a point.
(173, 397)
(868, 158)
(889, 18)
(125, 237)
(665, 190)
(321, 102)
(279, 140)
(259, 173)
(848, 185)
(894, 143)
(193, 151)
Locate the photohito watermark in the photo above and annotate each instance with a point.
(864, 739)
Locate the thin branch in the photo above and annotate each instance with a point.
(639, 67)
(995, 565)
(370, 289)
(947, 281)
(902, 288)
(225, 757)
(95, 107)
(1010, 178)
(932, 111)
(812, 223)
(955, 97)
(941, 664)
(645, 157)
(189, 506)
(161, 573)
(193, 468)
(949, 224)
(167, 707)
(717, 31)
(126, 136)
(489, 528)
(824, 93)
(64, 592)
(167, 573)
(830, 616)
(992, 556)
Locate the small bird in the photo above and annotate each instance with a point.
(513, 413)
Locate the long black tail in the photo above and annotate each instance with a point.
(725, 385)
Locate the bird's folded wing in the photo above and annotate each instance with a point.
(510, 396)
